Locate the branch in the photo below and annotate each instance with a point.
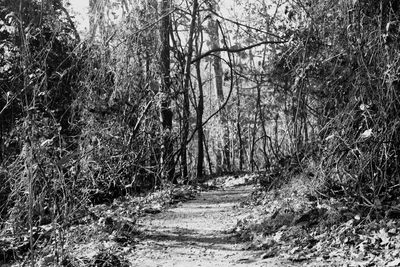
(244, 25)
(227, 98)
(140, 119)
(235, 50)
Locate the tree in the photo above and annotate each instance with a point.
(222, 153)
(200, 108)
(187, 78)
(167, 158)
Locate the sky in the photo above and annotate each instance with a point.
(80, 10)
(81, 7)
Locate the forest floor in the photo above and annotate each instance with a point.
(229, 221)
(239, 223)
(198, 233)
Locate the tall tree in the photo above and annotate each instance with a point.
(223, 154)
(186, 106)
(200, 109)
(166, 114)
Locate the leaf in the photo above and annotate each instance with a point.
(330, 137)
(47, 142)
(10, 16)
(384, 236)
(364, 107)
(366, 133)
(272, 252)
(277, 236)
(393, 263)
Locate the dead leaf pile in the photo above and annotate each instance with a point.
(323, 232)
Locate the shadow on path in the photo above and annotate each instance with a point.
(194, 233)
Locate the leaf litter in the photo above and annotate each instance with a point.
(285, 223)
(103, 237)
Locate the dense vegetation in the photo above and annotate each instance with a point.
(159, 92)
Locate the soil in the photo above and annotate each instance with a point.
(197, 233)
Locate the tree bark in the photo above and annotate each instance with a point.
(199, 117)
(167, 158)
(267, 162)
(238, 126)
(223, 153)
(208, 155)
(252, 161)
(199, 122)
(186, 106)
(96, 10)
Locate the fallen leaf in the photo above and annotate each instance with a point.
(383, 235)
(364, 107)
(392, 231)
(394, 263)
(294, 250)
(366, 133)
(278, 236)
(270, 253)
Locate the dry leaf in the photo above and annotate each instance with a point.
(393, 263)
(366, 133)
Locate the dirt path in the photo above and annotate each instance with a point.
(195, 234)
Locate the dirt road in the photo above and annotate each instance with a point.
(195, 233)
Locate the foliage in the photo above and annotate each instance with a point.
(37, 120)
(317, 232)
(339, 74)
(304, 88)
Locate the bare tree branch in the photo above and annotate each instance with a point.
(245, 26)
(235, 50)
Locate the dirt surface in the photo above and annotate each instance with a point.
(196, 233)
(285, 230)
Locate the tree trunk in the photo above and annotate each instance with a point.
(167, 160)
(96, 17)
(276, 137)
(217, 64)
(253, 142)
(208, 155)
(199, 119)
(200, 133)
(186, 107)
(267, 162)
(238, 125)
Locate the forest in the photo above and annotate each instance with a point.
(287, 109)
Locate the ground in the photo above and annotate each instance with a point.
(241, 224)
(231, 221)
(198, 233)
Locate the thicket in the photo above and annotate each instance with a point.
(342, 67)
(70, 118)
(38, 81)
(84, 121)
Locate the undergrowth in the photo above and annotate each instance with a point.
(301, 219)
(98, 234)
